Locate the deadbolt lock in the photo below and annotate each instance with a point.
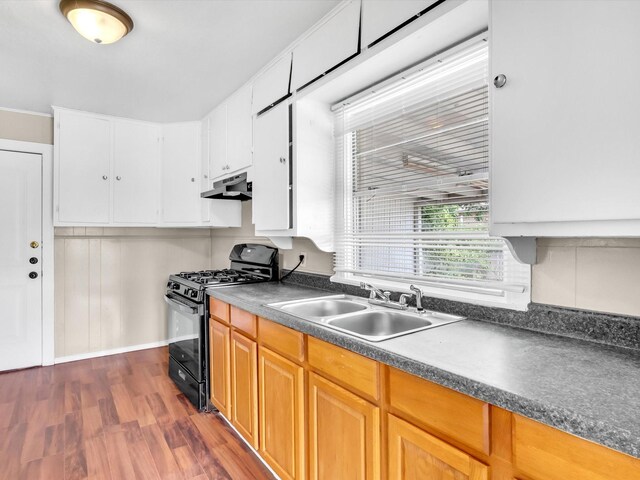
(34, 244)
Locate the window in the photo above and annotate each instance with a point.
(413, 185)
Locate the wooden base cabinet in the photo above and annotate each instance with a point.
(244, 387)
(219, 337)
(371, 421)
(414, 454)
(281, 413)
(344, 433)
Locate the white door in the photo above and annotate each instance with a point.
(136, 164)
(272, 170)
(180, 182)
(83, 165)
(20, 239)
(239, 130)
(218, 166)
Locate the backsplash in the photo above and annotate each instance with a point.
(223, 239)
(599, 274)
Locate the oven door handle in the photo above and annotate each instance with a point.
(181, 306)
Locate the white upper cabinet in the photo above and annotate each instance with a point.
(83, 168)
(117, 172)
(180, 173)
(272, 85)
(136, 164)
(272, 170)
(218, 142)
(330, 44)
(565, 150)
(239, 130)
(379, 17)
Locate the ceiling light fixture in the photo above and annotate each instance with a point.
(96, 20)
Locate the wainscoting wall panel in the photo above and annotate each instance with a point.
(109, 284)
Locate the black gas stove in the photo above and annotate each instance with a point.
(187, 315)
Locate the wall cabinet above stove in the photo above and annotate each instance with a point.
(111, 171)
(564, 119)
(231, 135)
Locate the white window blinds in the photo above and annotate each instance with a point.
(413, 185)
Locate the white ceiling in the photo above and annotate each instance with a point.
(182, 58)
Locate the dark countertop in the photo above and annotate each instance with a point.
(583, 388)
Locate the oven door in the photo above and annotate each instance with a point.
(184, 321)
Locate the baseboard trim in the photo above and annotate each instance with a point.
(113, 351)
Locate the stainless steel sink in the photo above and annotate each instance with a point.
(379, 325)
(328, 307)
(354, 316)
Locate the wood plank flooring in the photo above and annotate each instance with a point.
(118, 417)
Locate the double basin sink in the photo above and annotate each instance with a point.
(355, 316)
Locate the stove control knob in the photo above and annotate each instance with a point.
(186, 291)
(175, 286)
(194, 293)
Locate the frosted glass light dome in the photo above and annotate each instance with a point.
(97, 21)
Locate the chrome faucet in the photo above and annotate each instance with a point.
(418, 294)
(375, 292)
(378, 297)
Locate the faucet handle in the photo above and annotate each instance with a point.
(418, 294)
(387, 294)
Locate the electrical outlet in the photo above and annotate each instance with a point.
(304, 260)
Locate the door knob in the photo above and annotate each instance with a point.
(33, 275)
(33, 260)
(500, 80)
(34, 244)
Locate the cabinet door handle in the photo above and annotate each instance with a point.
(104, 177)
(500, 80)
(193, 179)
(283, 160)
(118, 178)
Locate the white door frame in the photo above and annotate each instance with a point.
(46, 153)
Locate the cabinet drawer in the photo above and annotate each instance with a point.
(245, 321)
(458, 416)
(544, 453)
(350, 369)
(219, 309)
(282, 339)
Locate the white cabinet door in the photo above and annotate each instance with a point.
(379, 17)
(218, 142)
(83, 168)
(565, 145)
(272, 170)
(136, 161)
(180, 188)
(333, 42)
(272, 85)
(239, 130)
(205, 184)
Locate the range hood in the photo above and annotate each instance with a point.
(232, 188)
